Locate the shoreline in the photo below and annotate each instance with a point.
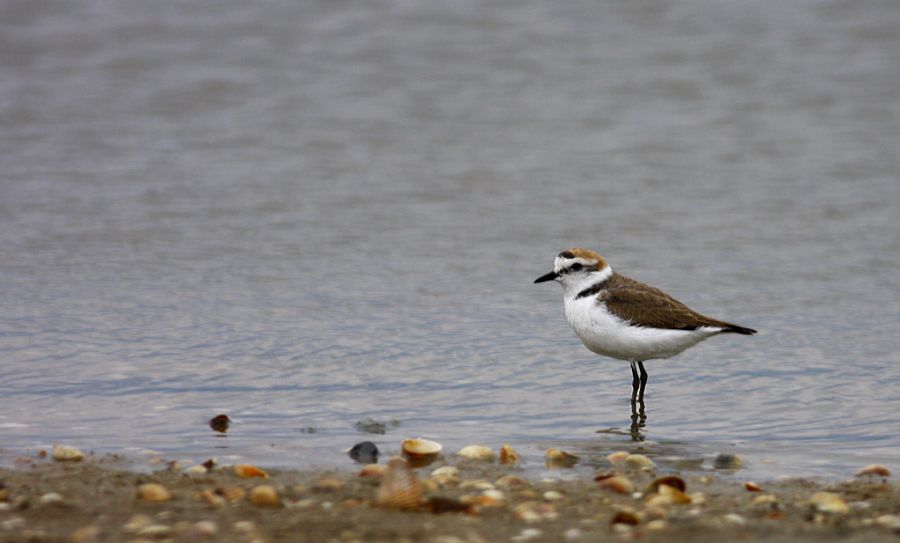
(101, 498)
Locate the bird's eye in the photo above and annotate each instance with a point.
(575, 267)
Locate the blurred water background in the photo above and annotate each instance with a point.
(307, 213)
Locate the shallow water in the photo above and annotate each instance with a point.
(304, 214)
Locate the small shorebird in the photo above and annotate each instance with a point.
(622, 318)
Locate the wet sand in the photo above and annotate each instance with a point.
(97, 499)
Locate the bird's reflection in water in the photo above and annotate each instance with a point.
(638, 419)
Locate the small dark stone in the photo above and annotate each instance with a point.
(364, 452)
(220, 423)
(371, 426)
(727, 461)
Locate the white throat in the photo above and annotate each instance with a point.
(572, 284)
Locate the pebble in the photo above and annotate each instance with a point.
(220, 423)
(477, 452)
(511, 481)
(764, 499)
(572, 534)
(86, 534)
(153, 492)
(15, 523)
(364, 452)
(136, 523)
(51, 498)
(735, 519)
(371, 426)
(657, 525)
(476, 484)
(264, 495)
(553, 495)
(197, 470)
(156, 531)
(528, 534)
(890, 522)
(65, 453)
(244, 527)
(327, 484)
(211, 498)
(728, 461)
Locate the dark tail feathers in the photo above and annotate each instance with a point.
(739, 330)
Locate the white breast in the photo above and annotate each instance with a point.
(605, 334)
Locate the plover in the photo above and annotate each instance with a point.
(621, 318)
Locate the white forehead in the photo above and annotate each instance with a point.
(562, 262)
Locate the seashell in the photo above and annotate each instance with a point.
(489, 499)
(735, 519)
(66, 453)
(658, 501)
(728, 461)
(639, 461)
(477, 452)
(508, 455)
(527, 512)
(446, 471)
(675, 495)
(616, 483)
(327, 484)
(153, 492)
(211, 498)
(657, 525)
(752, 487)
(246, 471)
(618, 457)
(419, 447)
(372, 471)
(828, 502)
(671, 480)
(231, 493)
(399, 488)
(629, 518)
(264, 495)
(557, 458)
(874, 469)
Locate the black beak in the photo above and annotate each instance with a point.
(547, 277)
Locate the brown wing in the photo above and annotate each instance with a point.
(643, 305)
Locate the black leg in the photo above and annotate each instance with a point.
(643, 379)
(635, 383)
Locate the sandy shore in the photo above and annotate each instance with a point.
(95, 499)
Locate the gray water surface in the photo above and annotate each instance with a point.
(304, 214)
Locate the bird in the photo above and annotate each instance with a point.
(622, 318)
